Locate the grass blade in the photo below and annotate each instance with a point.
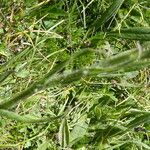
(139, 120)
(4, 75)
(135, 33)
(64, 133)
(35, 87)
(44, 82)
(110, 12)
(12, 62)
(27, 119)
(120, 58)
(113, 64)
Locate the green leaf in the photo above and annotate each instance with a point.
(26, 118)
(110, 12)
(79, 130)
(127, 61)
(102, 135)
(4, 75)
(139, 120)
(124, 62)
(135, 33)
(112, 131)
(12, 62)
(141, 144)
(117, 145)
(43, 146)
(23, 73)
(119, 59)
(46, 81)
(64, 133)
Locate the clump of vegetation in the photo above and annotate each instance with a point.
(74, 74)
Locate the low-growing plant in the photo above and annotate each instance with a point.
(71, 83)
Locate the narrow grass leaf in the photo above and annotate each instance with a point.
(135, 33)
(121, 58)
(110, 12)
(137, 65)
(141, 144)
(139, 120)
(126, 61)
(8, 146)
(64, 133)
(4, 75)
(26, 119)
(137, 112)
(12, 62)
(44, 81)
(112, 131)
(113, 64)
(117, 146)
